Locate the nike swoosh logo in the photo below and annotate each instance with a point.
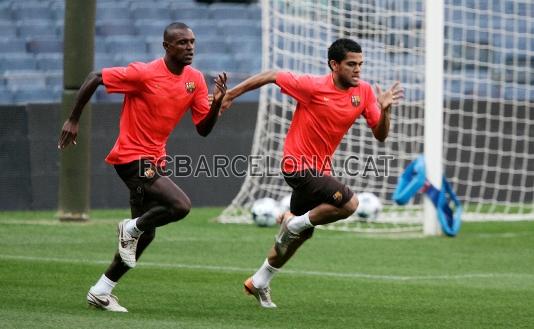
(104, 302)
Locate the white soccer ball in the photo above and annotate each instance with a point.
(369, 206)
(285, 203)
(264, 212)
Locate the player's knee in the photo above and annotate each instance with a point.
(350, 207)
(180, 208)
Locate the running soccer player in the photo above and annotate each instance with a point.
(156, 96)
(327, 106)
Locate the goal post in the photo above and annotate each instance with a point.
(433, 111)
(467, 70)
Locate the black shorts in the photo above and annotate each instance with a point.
(311, 189)
(138, 175)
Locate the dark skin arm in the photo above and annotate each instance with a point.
(385, 100)
(205, 126)
(69, 132)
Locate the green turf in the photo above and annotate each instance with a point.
(191, 277)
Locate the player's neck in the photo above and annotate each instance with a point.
(338, 84)
(172, 66)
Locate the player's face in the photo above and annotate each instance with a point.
(180, 46)
(348, 70)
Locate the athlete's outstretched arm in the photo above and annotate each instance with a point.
(386, 99)
(254, 82)
(205, 126)
(69, 132)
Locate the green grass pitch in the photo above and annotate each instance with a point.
(192, 274)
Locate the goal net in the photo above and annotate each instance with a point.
(488, 130)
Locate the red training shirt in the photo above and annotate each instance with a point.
(155, 100)
(322, 117)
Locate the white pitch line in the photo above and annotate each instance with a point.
(351, 275)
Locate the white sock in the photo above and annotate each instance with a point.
(103, 286)
(298, 224)
(263, 276)
(132, 229)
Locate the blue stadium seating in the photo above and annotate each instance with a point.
(125, 44)
(7, 29)
(49, 61)
(17, 61)
(150, 10)
(229, 39)
(115, 28)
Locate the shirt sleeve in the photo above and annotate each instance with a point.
(121, 79)
(200, 107)
(297, 86)
(372, 111)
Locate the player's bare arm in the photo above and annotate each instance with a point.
(69, 132)
(385, 99)
(254, 82)
(205, 126)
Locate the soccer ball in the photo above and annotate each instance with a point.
(264, 212)
(285, 203)
(369, 206)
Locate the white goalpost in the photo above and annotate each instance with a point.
(467, 69)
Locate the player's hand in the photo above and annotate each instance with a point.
(226, 103)
(392, 96)
(69, 132)
(220, 88)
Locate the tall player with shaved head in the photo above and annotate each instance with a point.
(156, 96)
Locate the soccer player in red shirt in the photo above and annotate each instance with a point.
(156, 96)
(327, 106)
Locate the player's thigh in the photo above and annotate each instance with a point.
(330, 190)
(165, 191)
(316, 189)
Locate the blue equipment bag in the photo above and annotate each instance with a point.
(414, 179)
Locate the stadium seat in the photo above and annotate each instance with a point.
(7, 29)
(219, 11)
(210, 63)
(49, 61)
(150, 28)
(17, 61)
(32, 10)
(246, 45)
(127, 58)
(10, 45)
(242, 30)
(114, 28)
(102, 60)
(254, 12)
(210, 44)
(155, 46)
(5, 11)
(110, 13)
(37, 28)
(28, 80)
(151, 10)
(54, 79)
(6, 97)
(202, 29)
(188, 14)
(125, 44)
(45, 45)
(43, 95)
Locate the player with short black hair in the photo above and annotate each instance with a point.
(327, 106)
(156, 96)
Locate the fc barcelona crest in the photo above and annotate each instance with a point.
(190, 87)
(355, 100)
